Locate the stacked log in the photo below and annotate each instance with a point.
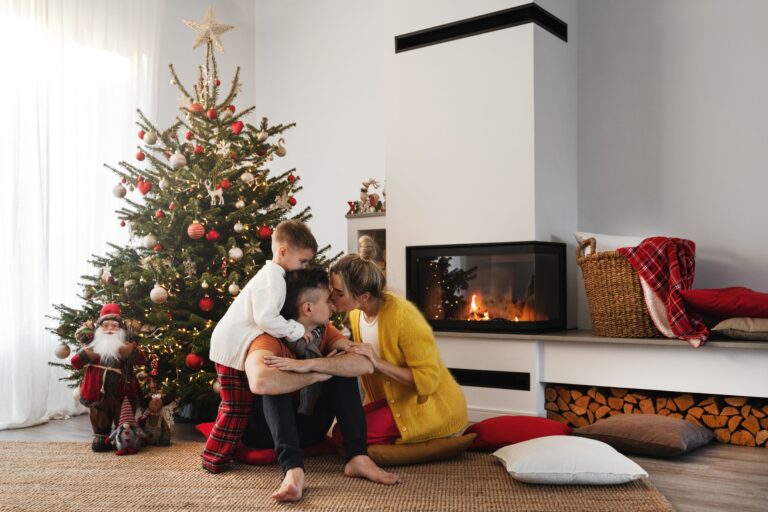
(734, 420)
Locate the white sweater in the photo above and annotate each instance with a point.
(256, 310)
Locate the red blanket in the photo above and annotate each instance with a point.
(666, 266)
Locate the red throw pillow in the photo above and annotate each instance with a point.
(728, 302)
(261, 456)
(500, 431)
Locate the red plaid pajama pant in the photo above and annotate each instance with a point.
(235, 407)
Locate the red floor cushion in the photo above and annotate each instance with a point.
(495, 433)
(728, 302)
(262, 456)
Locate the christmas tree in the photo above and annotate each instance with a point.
(202, 230)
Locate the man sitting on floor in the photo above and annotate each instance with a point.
(294, 409)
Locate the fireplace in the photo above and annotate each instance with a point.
(502, 287)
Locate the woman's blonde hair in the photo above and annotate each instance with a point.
(360, 274)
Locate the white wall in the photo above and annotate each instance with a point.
(672, 128)
(176, 42)
(320, 64)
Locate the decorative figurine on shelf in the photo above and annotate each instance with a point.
(157, 420)
(369, 201)
(108, 358)
(127, 436)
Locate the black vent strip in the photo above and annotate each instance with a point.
(519, 381)
(528, 13)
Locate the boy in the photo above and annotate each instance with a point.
(255, 311)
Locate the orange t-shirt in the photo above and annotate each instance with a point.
(266, 342)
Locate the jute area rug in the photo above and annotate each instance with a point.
(68, 476)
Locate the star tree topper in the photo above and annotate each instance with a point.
(208, 30)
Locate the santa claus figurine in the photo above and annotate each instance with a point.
(108, 360)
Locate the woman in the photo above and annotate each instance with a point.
(411, 395)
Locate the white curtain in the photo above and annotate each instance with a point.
(74, 72)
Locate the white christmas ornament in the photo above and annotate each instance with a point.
(240, 204)
(247, 178)
(235, 254)
(177, 160)
(233, 289)
(158, 295)
(164, 184)
(216, 386)
(150, 241)
(238, 227)
(62, 351)
(119, 190)
(261, 136)
(204, 285)
(150, 138)
(280, 151)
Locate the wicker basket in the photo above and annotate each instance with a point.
(614, 295)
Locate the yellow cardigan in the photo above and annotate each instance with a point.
(436, 408)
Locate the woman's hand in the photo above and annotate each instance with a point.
(367, 350)
(287, 364)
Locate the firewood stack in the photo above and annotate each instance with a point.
(734, 420)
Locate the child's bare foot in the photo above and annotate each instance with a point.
(363, 467)
(292, 486)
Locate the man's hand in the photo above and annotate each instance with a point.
(365, 349)
(287, 364)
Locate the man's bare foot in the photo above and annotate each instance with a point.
(292, 486)
(362, 466)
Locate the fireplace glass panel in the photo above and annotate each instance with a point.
(512, 287)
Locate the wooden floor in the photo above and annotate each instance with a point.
(717, 477)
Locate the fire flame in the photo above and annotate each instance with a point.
(474, 311)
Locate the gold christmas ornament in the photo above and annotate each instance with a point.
(204, 285)
(208, 30)
(247, 178)
(62, 351)
(233, 289)
(238, 227)
(240, 204)
(262, 135)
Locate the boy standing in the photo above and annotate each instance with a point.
(255, 311)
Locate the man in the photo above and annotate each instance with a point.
(108, 358)
(321, 381)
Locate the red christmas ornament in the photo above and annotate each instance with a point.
(169, 315)
(217, 82)
(212, 113)
(196, 108)
(232, 108)
(198, 149)
(206, 304)
(263, 152)
(122, 223)
(224, 266)
(141, 134)
(264, 232)
(123, 179)
(159, 214)
(212, 235)
(195, 230)
(292, 201)
(158, 247)
(291, 178)
(172, 206)
(167, 154)
(140, 156)
(225, 184)
(233, 155)
(144, 186)
(237, 127)
(188, 135)
(194, 361)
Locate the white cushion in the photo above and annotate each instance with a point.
(607, 242)
(567, 460)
